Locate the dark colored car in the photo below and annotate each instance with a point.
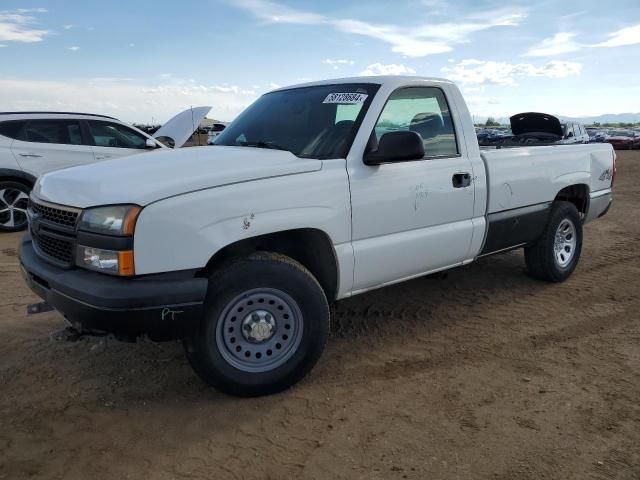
(493, 137)
(598, 136)
(624, 139)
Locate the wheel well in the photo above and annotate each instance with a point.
(9, 175)
(576, 194)
(311, 247)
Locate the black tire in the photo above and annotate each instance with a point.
(208, 350)
(543, 261)
(13, 216)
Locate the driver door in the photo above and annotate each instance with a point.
(410, 218)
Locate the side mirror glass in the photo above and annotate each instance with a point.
(151, 144)
(401, 146)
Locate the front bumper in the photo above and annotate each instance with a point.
(163, 306)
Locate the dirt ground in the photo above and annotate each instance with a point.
(486, 374)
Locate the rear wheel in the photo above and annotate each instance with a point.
(555, 255)
(14, 198)
(265, 326)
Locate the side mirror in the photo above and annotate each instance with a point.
(151, 144)
(570, 135)
(401, 146)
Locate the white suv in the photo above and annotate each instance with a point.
(573, 132)
(34, 143)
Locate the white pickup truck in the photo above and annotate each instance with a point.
(315, 193)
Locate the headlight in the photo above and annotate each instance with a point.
(113, 220)
(115, 262)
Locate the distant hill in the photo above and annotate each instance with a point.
(606, 118)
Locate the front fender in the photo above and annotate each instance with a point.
(185, 231)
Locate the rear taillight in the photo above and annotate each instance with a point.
(613, 174)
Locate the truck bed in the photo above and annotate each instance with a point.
(524, 176)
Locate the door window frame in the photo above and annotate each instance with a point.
(21, 137)
(92, 140)
(426, 157)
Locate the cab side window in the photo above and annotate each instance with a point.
(423, 110)
(108, 134)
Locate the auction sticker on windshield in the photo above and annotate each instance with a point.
(346, 98)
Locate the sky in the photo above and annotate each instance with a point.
(144, 61)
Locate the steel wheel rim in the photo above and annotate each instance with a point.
(259, 330)
(565, 242)
(13, 207)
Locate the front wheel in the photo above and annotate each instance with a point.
(265, 326)
(14, 197)
(554, 256)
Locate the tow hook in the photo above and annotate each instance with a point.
(41, 307)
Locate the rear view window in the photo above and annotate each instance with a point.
(11, 129)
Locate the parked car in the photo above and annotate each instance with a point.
(544, 129)
(495, 137)
(215, 130)
(598, 136)
(624, 139)
(33, 143)
(573, 132)
(360, 183)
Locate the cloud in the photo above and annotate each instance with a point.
(31, 10)
(132, 100)
(478, 72)
(622, 37)
(340, 61)
(390, 69)
(416, 41)
(561, 42)
(17, 25)
(75, 48)
(274, 86)
(336, 63)
(67, 27)
(274, 12)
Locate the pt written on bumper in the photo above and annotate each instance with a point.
(162, 306)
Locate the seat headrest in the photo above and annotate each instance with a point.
(428, 125)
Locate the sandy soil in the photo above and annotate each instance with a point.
(487, 374)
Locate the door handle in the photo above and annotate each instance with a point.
(31, 155)
(102, 157)
(461, 180)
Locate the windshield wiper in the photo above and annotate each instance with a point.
(263, 144)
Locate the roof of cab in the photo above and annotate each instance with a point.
(390, 80)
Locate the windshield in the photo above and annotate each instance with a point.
(311, 122)
(621, 133)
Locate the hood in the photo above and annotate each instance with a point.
(148, 177)
(182, 126)
(532, 122)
